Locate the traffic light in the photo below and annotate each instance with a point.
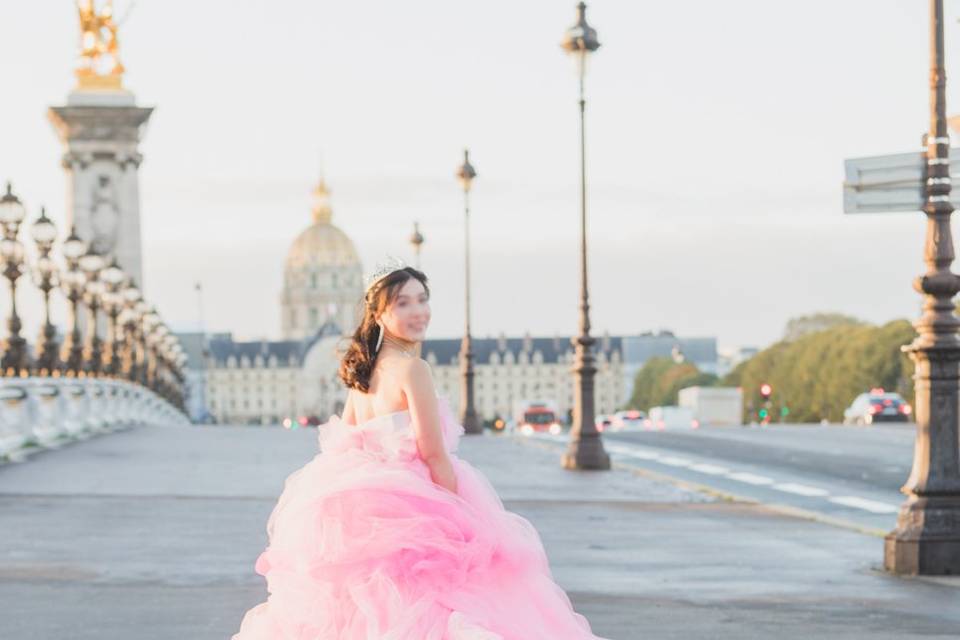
(784, 412)
(763, 413)
(766, 391)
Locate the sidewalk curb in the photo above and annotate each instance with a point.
(726, 496)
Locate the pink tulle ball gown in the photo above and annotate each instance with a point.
(365, 546)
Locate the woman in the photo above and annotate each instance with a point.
(386, 534)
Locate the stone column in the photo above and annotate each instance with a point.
(100, 131)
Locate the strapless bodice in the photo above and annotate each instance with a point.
(389, 437)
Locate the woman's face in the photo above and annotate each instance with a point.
(408, 315)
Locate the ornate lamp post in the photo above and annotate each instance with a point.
(148, 368)
(170, 344)
(416, 239)
(927, 538)
(468, 414)
(156, 343)
(92, 263)
(113, 277)
(45, 276)
(132, 319)
(15, 360)
(73, 283)
(586, 449)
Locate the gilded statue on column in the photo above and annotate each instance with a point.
(99, 66)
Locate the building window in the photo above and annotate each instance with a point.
(313, 280)
(314, 316)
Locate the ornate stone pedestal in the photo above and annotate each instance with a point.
(100, 130)
(927, 538)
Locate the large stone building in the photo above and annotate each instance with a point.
(265, 382)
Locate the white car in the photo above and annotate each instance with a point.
(627, 420)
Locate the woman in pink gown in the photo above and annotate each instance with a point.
(386, 534)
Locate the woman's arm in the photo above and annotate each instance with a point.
(425, 415)
(349, 413)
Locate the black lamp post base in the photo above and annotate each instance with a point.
(586, 453)
(927, 538)
(471, 423)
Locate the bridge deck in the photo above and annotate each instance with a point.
(152, 534)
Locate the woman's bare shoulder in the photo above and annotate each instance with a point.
(406, 370)
(415, 369)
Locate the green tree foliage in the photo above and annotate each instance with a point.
(660, 379)
(814, 323)
(818, 375)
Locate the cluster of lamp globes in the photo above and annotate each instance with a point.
(138, 345)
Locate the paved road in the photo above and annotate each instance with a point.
(853, 474)
(152, 533)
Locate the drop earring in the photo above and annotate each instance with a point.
(379, 338)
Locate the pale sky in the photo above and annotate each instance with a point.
(716, 133)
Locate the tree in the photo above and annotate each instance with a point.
(805, 325)
(819, 374)
(660, 380)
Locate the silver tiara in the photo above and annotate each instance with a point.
(382, 270)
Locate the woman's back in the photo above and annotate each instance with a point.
(385, 395)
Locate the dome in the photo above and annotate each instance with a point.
(322, 245)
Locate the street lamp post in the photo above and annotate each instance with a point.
(585, 450)
(148, 338)
(927, 537)
(131, 320)
(45, 275)
(113, 278)
(73, 283)
(92, 263)
(15, 360)
(416, 239)
(468, 413)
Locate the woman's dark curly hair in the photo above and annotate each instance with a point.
(356, 365)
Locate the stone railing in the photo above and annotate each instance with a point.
(38, 413)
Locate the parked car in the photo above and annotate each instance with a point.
(877, 405)
(603, 422)
(627, 420)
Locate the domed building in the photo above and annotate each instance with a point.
(294, 381)
(322, 278)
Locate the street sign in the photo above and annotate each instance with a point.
(880, 184)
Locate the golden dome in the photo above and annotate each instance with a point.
(322, 244)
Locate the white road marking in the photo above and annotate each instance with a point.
(862, 503)
(872, 506)
(618, 448)
(644, 455)
(712, 469)
(750, 478)
(801, 489)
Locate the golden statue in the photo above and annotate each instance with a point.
(99, 66)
